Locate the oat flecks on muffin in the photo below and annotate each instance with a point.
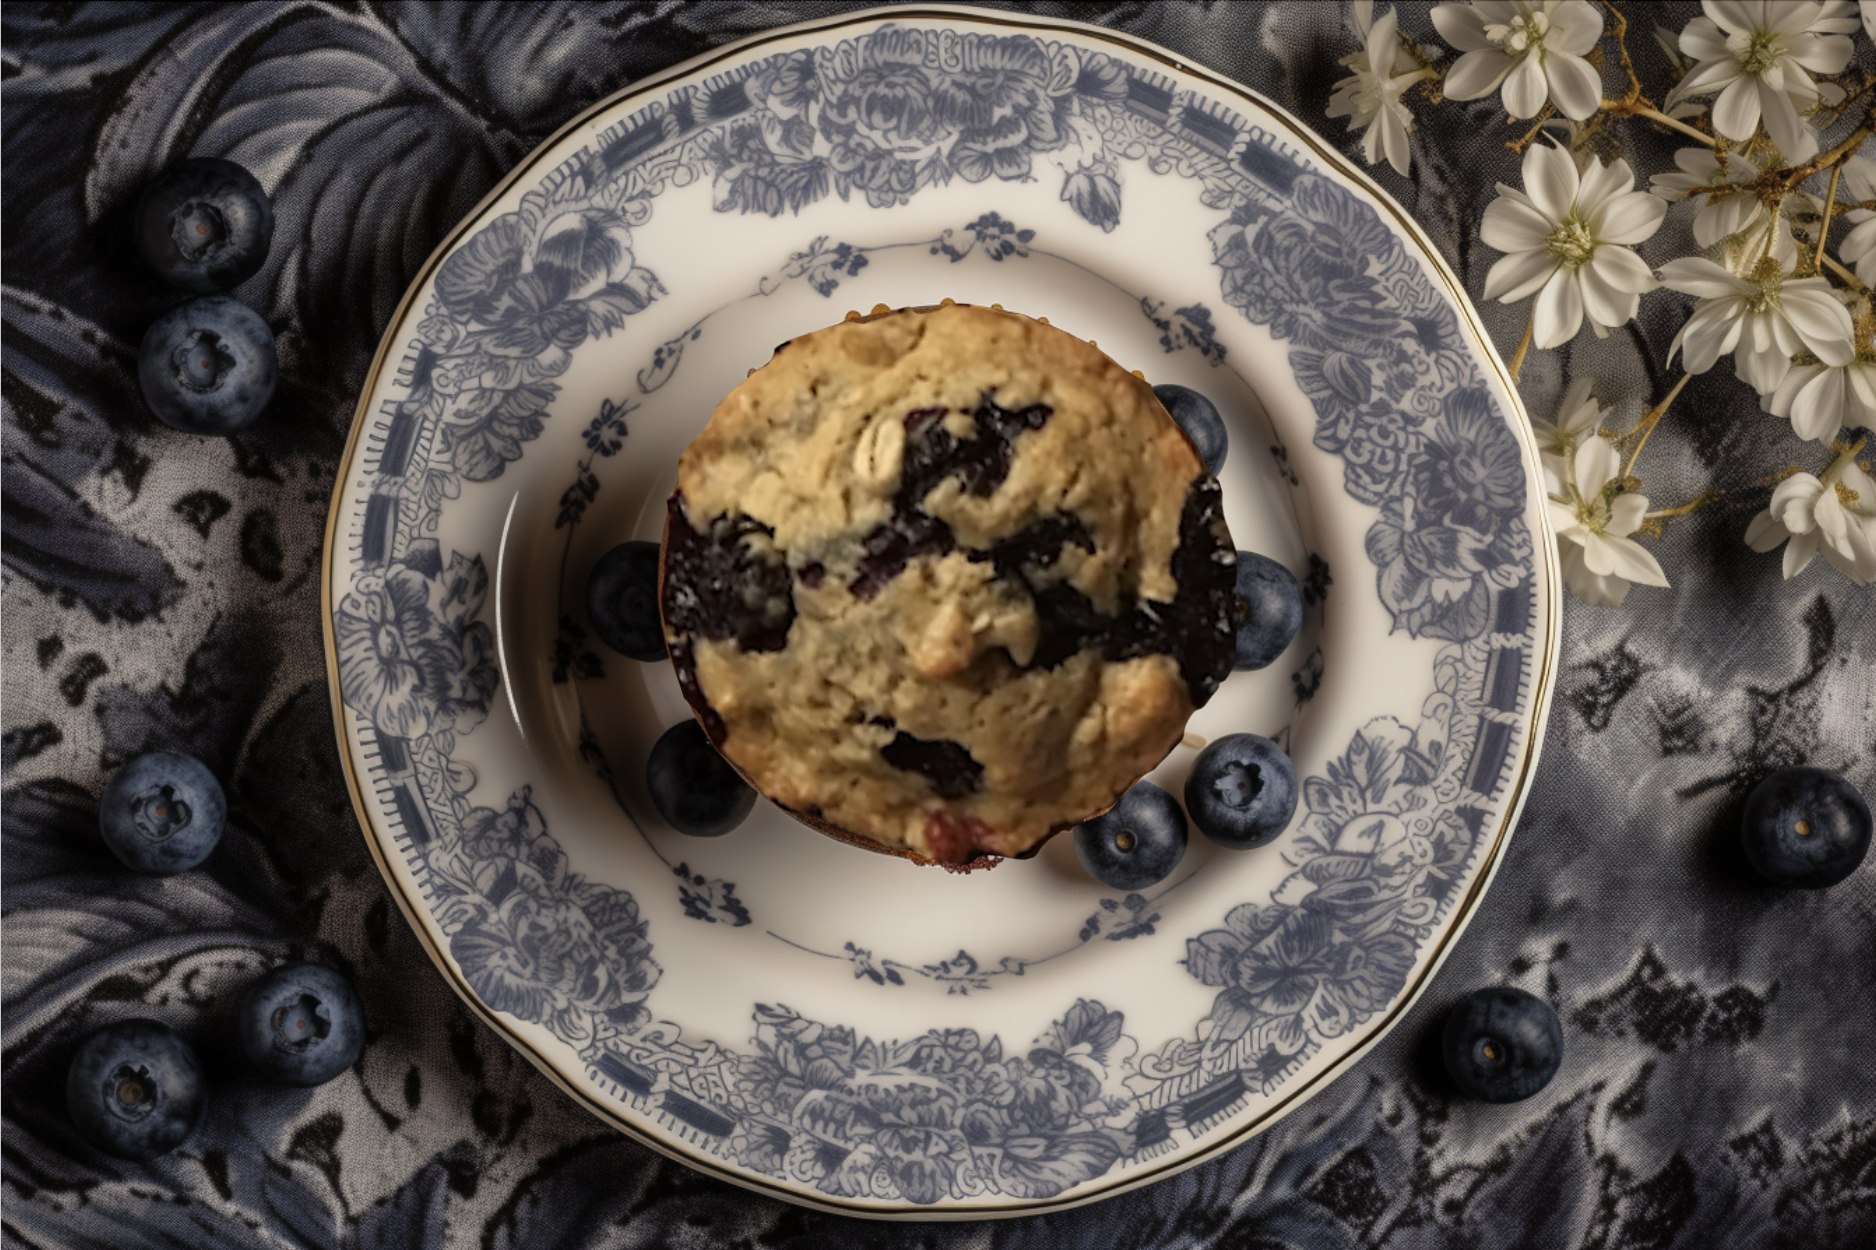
(946, 578)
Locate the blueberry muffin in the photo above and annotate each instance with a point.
(944, 581)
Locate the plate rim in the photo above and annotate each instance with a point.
(1543, 688)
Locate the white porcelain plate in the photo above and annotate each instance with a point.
(845, 1029)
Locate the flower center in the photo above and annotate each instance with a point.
(1846, 496)
(1770, 278)
(1522, 34)
(1571, 242)
(1762, 51)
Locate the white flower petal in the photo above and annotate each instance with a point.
(1707, 77)
(1603, 303)
(1821, 54)
(1728, 15)
(1601, 183)
(1574, 85)
(1558, 312)
(1760, 364)
(1525, 90)
(1736, 112)
(1463, 26)
(1793, 501)
(1384, 45)
(1722, 216)
(1476, 74)
(1551, 180)
(1703, 41)
(1711, 332)
(1625, 514)
(1854, 557)
(1575, 28)
(1823, 323)
(1394, 140)
(1599, 592)
(1519, 276)
(1765, 532)
(1597, 462)
(1817, 409)
(1696, 275)
(1799, 552)
(1628, 218)
(1782, 124)
(1511, 226)
(1626, 559)
(1623, 270)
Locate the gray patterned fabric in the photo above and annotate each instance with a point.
(162, 590)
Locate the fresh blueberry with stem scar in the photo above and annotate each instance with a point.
(1273, 610)
(163, 813)
(1135, 843)
(1805, 827)
(208, 366)
(693, 787)
(1502, 1044)
(1199, 418)
(622, 601)
(301, 1024)
(134, 1089)
(204, 225)
(1241, 791)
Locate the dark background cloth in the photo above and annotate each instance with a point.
(162, 590)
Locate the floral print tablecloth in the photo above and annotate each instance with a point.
(163, 590)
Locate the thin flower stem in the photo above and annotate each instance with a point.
(1656, 115)
(1543, 115)
(1650, 420)
(1823, 227)
(1855, 283)
(1685, 508)
(1524, 345)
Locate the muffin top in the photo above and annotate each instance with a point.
(948, 579)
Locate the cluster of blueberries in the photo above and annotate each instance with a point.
(207, 366)
(135, 1088)
(1803, 827)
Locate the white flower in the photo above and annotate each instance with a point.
(1534, 47)
(1599, 557)
(1566, 239)
(1835, 514)
(1858, 248)
(1755, 54)
(1820, 399)
(1578, 416)
(1721, 214)
(1765, 320)
(1370, 99)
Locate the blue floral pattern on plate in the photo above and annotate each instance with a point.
(1396, 823)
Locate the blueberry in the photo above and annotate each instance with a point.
(622, 601)
(134, 1089)
(1805, 827)
(1241, 791)
(1135, 843)
(204, 225)
(1199, 418)
(1273, 602)
(1502, 1044)
(693, 787)
(208, 366)
(163, 813)
(301, 1024)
